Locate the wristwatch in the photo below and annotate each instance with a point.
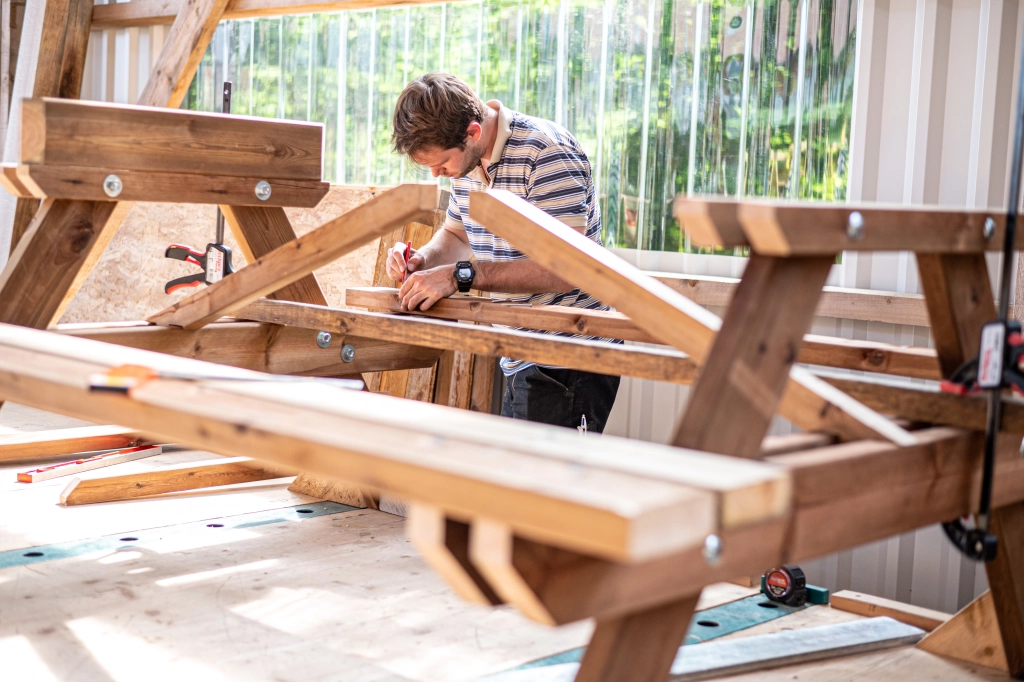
(464, 274)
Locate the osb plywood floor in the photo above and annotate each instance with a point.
(128, 281)
(342, 597)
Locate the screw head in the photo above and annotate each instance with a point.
(712, 549)
(323, 339)
(348, 353)
(989, 230)
(855, 226)
(262, 190)
(112, 185)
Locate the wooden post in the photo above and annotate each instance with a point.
(735, 398)
(959, 298)
(639, 647)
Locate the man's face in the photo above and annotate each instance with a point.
(454, 162)
(450, 163)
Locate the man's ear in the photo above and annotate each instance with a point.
(473, 131)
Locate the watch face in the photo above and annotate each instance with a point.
(464, 273)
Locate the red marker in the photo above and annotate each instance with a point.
(408, 252)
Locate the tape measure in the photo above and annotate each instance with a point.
(786, 585)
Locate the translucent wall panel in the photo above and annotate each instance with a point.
(718, 97)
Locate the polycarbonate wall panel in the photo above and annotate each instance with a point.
(733, 97)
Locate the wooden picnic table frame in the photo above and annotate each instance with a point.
(563, 528)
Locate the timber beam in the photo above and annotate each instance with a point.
(70, 148)
(60, 442)
(157, 12)
(919, 363)
(591, 356)
(261, 347)
(795, 229)
(869, 305)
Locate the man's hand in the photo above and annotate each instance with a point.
(424, 288)
(396, 265)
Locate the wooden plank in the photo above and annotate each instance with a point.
(870, 605)
(920, 363)
(971, 635)
(186, 43)
(101, 135)
(791, 228)
(260, 347)
(482, 390)
(594, 356)
(299, 258)
(927, 404)
(190, 476)
(61, 442)
(640, 647)
(845, 303)
(665, 314)
(791, 647)
(156, 12)
(734, 399)
(454, 379)
(657, 500)
(86, 184)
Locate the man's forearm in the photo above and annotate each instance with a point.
(444, 248)
(518, 277)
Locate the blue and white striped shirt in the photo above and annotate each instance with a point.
(544, 164)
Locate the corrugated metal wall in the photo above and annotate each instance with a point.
(934, 94)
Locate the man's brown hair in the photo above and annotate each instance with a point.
(434, 111)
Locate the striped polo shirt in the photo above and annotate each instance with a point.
(544, 164)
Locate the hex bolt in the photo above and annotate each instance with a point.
(112, 185)
(855, 226)
(262, 190)
(712, 549)
(348, 352)
(323, 339)
(989, 230)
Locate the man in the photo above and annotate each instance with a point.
(440, 123)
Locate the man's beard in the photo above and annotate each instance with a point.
(472, 161)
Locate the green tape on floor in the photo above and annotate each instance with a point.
(706, 625)
(126, 539)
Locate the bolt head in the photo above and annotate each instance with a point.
(323, 339)
(348, 353)
(712, 549)
(989, 230)
(263, 190)
(855, 226)
(112, 185)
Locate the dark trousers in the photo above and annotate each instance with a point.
(561, 397)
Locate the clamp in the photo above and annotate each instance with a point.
(215, 262)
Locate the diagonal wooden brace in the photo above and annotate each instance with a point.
(665, 314)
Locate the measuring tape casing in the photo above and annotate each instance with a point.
(786, 585)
